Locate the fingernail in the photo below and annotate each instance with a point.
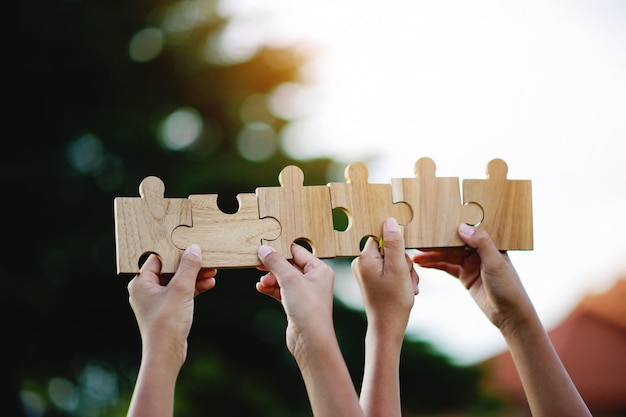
(466, 230)
(265, 250)
(195, 250)
(391, 225)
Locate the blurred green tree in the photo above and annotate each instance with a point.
(99, 95)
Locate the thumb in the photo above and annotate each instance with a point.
(479, 240)
(275, 263)
(393, 245)
(189, 267)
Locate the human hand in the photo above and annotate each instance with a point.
(163, 305)
(487, 273)
(304, 286)
(388, 282)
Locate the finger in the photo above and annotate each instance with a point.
(456, 256)
(207, 273)
(151, 268)
(188, 268)
(149, 272)
(273, 292)
(269, 280)
(304, 259)
(205, 280)
(268, 285)
(393, 245)
(452, 269)
(204, 285)
(370, 259)
(481, 241)
(275, 263)
(415, 279)
(371, 248)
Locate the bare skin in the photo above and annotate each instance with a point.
(304, 286)
(493, 282)
(164, 309)
(388, 285)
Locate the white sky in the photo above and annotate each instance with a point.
(540, 84)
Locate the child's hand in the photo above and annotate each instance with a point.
(388, 281)
(305, 288)
(487, 273)
(164, 310)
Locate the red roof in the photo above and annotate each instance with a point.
(591, 342)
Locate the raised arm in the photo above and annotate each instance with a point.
(388, 284)
(305, 289)
(494, 284)
(164, 312)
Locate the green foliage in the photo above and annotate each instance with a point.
(85, 123)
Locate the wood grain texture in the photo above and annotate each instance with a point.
(145, 224)
(366, 205)
(507, 206)
(437, 207)
(226, 240)
(304, 213)
(428, 209)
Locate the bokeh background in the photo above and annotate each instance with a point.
(217, 96)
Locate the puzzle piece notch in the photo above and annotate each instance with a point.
(507, 206)
(304, 213)
(366, 205)
(144, 225)
(437, 207)
(227, 240)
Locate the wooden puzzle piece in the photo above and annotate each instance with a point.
(426, 207)
(144, 225)
(507, 207)
(436, 205)
(366, 205)
(304, 213)
(227, 240)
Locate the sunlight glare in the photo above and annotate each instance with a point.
(186, 15)
(86, 153)
(538, 84)
(254, 108)
(257, 142)
(181, 128)
(146, 45)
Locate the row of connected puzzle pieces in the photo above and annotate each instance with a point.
(428, 209)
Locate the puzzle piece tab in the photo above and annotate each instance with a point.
(144, 225)
(366, 205)
(227, 240)
(507, 207)
(437, 207)
(304, 213)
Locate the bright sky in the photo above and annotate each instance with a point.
(540, 84)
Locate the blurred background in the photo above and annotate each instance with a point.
(217, 96)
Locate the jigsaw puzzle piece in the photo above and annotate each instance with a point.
(507, 207)
(303, 212)
(437, 207)
(226, 240)
(366, 206)
(144, 225)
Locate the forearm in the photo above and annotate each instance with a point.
(548, 387)
(329, 386)
(153, 395)
(380, 391)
